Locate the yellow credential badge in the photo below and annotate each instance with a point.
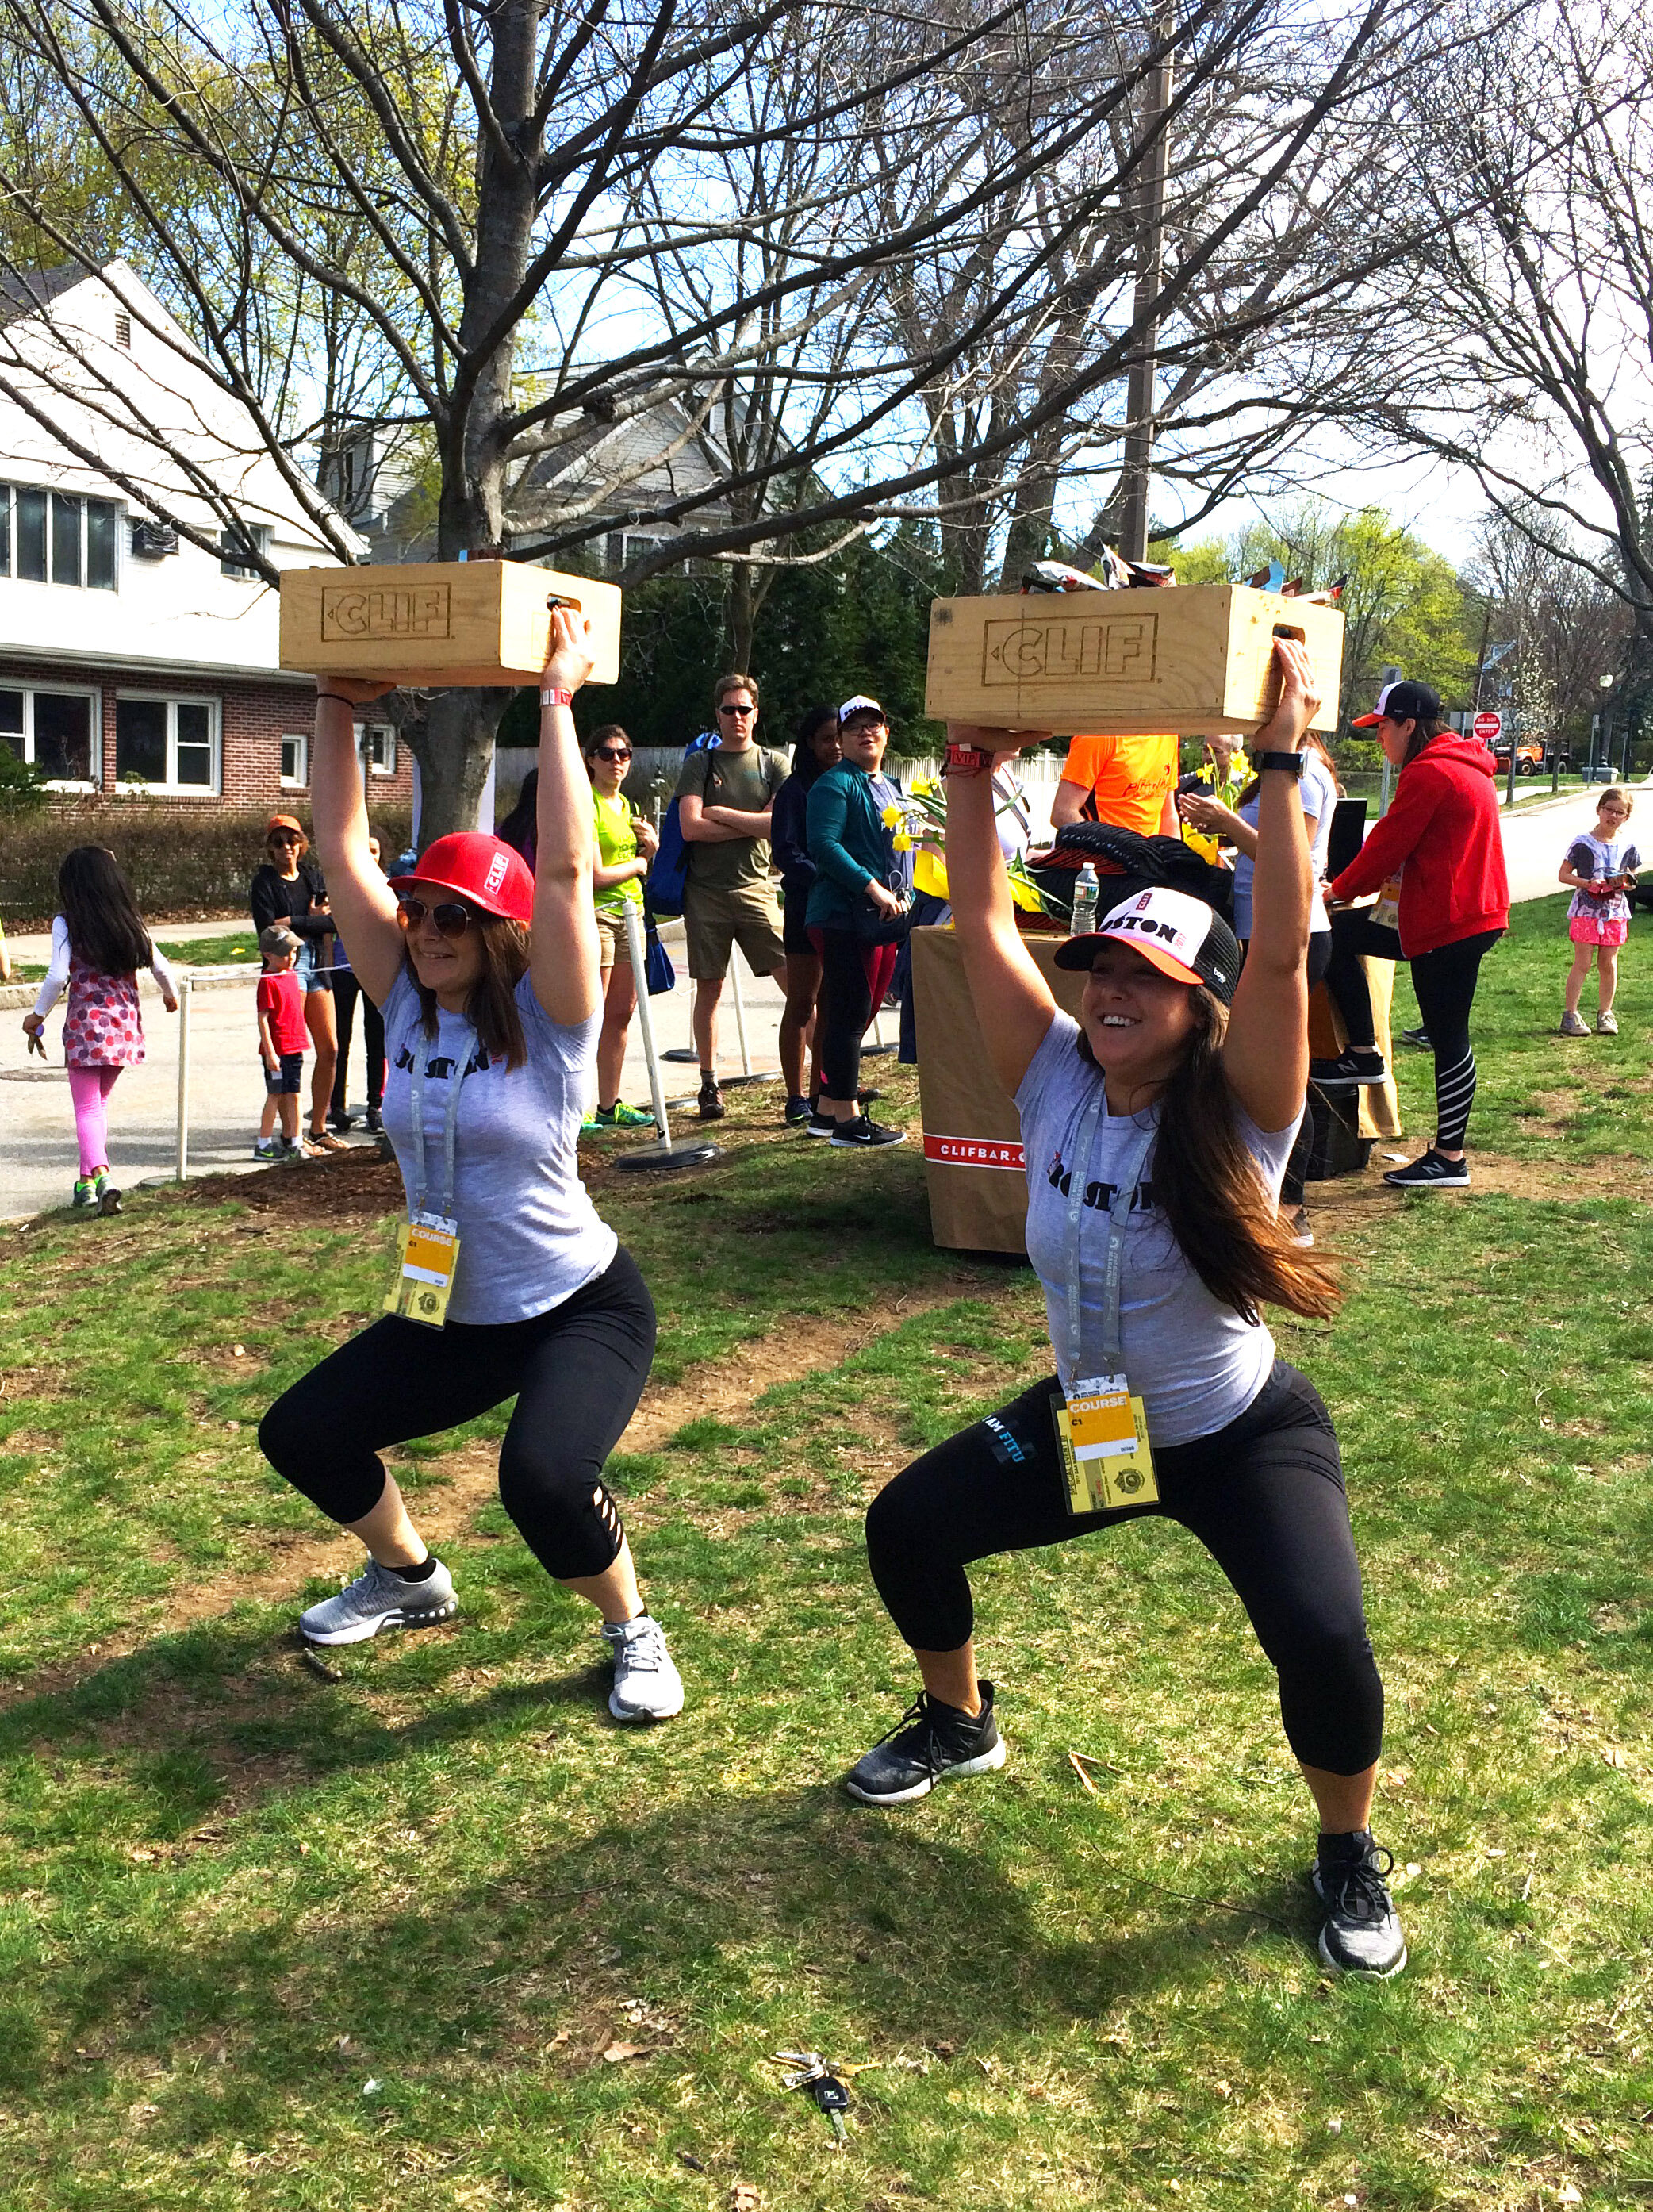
(1103, 1432)
(427, 1252)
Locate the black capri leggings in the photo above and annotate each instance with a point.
(1292, 1182)
(854, 979)
(1444, 980)
(575, 1372)
(1264, 1496)
(346, 992)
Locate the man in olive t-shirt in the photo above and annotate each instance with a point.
(724, 793)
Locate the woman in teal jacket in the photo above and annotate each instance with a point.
(851, 894)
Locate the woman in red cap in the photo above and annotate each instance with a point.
(511, 1285)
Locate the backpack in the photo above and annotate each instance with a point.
(662, 887)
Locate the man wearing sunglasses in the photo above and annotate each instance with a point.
(724, 793)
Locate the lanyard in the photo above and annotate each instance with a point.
(451, 1126)
(1119, 1212)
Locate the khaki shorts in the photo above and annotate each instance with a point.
(714, 922)
(612, 938)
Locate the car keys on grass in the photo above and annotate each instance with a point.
(819, 2076)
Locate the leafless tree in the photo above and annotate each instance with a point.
(378, 210)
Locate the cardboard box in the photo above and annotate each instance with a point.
(1116, 663)
(440, 623)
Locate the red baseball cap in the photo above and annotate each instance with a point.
(484, 869)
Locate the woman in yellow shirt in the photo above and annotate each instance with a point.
(626, 845)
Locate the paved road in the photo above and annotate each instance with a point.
(37, 1149)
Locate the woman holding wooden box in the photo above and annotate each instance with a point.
(509, 1284)
(1156, 1129)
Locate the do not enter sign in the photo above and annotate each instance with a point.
(1488, 727)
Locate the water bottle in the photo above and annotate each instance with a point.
(1086, 893)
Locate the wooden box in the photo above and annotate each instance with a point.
(1115, 664)
(438, 624)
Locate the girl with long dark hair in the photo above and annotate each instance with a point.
(510, 1285)
(1156, 1130)
(99, 943)
(1442, 837)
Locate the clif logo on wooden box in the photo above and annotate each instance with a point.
(439, 624)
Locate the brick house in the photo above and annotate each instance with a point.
(133, 661)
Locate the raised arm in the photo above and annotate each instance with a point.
(565, 962)
(1266, 1053)
(1013, 1002)
(363, 903)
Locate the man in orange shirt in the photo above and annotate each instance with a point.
(1128, 780)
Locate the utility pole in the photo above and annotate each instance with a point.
(1140, 390)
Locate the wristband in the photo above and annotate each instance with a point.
(968, 760)
(1286, 763)
(554, 696)
(339, 696)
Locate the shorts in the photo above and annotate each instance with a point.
(284, 1081)
(312, 975)
(715, 921)
(1592, 929)
(616, 947)
(795, 930)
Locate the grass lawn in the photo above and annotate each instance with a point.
(235, 944)
(438, 1934)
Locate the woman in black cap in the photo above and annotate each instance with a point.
(1152, 1225)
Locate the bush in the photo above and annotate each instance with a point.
(183, 867)
(22, 786)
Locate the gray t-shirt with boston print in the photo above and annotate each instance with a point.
(1196, 1364)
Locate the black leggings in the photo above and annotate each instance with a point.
(1291, 1183)
(1353, 933)
(854, 979)
(346, 991)
(1444, 980)
(575, 1372)
(1264, 1496)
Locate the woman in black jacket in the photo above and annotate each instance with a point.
(816, 750)
(289, 890)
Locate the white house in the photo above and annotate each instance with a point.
(130, 657)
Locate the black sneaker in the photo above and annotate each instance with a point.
(375, 1120)
(1432, 1172)
(863, 1135)
(1348, 1071)
(797, 1109)
(930, 1742)
(820, 1123)
(1418, 1036)
(1362, 1934)
(710, 1104)
(343, 1123)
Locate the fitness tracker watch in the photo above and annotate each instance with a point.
(1287, 763)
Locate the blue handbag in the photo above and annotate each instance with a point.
(659, 974)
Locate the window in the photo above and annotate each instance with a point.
(172, 742)
(124, 330)
(57, 538)
(239, 547)
(378, 748)
(56, 730)
(295, 763)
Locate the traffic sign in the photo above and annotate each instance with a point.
(1488, 727)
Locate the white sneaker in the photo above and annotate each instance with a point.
(647, 1687)
(380, 1599)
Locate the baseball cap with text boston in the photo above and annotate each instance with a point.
(1181, 936)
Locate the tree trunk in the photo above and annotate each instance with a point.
(453, 744)
(741, 614)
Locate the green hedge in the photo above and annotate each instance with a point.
(183, 867)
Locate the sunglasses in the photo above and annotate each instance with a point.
(608, 753)
(285, 837)
(448, 920)
(737, 710)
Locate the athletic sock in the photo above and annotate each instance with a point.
(421, 1573)
(1353, 1846)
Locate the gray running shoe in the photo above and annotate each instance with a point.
(1574, 1025)
(378, 1599)
(647, 1685)
(1362, 1934)
(1606, 1024)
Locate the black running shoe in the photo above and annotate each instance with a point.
(710, 1103)
(1348, 1071)
(1420, 1037)
(1432, 1172)
(861, 1133)
(1362, 1934)
(820, 1123)
(930, 1742)
(797, 1110)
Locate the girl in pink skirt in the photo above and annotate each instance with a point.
(98, 944)
(1600, 868)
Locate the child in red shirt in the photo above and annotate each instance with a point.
(281, 1044)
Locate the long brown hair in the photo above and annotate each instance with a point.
(1427, 728)
(1207, 1187)
(491, 1009)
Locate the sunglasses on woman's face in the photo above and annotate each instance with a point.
(448, 920)
(284, 837)
(608, 753)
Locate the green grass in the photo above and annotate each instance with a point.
(235, 944)
(234, 1895)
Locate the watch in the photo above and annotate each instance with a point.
(1287, 763)
(556, 696)
(970, 759)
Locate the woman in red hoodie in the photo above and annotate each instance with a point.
(1441, 835)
